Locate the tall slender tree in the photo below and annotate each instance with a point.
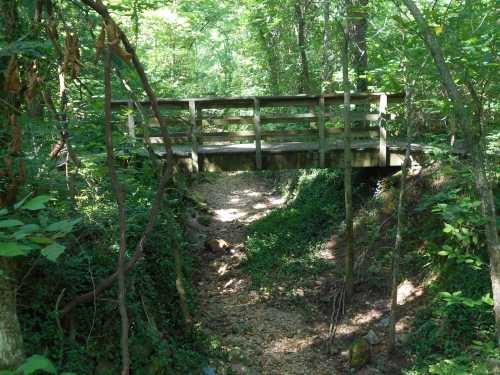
(357, 36)
(401, 218)
(472, 136)
(301, 9)
(347, 157)
(11, 178)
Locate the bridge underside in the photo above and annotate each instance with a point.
(290, 155)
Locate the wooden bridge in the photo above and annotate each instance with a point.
(272, 132)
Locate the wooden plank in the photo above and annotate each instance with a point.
(265, 101)
(271, 119)
(248, 135)
(383, 134)
(194, 140)
(321, 130)
(258, 150)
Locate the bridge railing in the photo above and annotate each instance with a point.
(192, 125)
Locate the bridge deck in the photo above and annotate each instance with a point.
(289, 155)
(278, 148)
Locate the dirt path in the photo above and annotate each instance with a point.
(260, 338)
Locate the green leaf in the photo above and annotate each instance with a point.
(21, 202)
(487, 299)
(25, 230)
(13, 249)
(448, 228)
(41, 240)
(36, 203)
(53, 251)
(3, 212)
(65, 226)
(443, 253)
(37, 363)
(10, 223)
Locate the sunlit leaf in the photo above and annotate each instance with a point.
(36, 363)
(36, 203)
(53, 251)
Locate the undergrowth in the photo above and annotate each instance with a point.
(444, 252)
(284, 246)
(88, 341)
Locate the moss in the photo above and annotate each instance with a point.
(359, 353)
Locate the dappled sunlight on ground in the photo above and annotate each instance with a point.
(284, 331)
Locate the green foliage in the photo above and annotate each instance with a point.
(34, 365)
(452, 334)
(284, 246)
(18, 238)
(157, 342)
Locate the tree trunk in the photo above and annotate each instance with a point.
(396, 256)
(270, 48)
(12, 173)
(300, 12)
(119, 196)
(472, 139)
(11, 340)
(179, 285)
(327, 69)
(359, 54)
(347, 166)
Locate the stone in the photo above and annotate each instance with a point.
(402, 338)
(217, 245)
(208, 371)
(359, 353)
(383, 323)
(240, 369)
(372, 338)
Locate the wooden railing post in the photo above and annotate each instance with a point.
(382, 154)
(131, 121)
(199, 124)
(256, 119)
(322, 143)
(193, 133)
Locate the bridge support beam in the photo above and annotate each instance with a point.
(258, 146)
(322, 140)
(383, 133)
(131, 121)
(194, 139)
